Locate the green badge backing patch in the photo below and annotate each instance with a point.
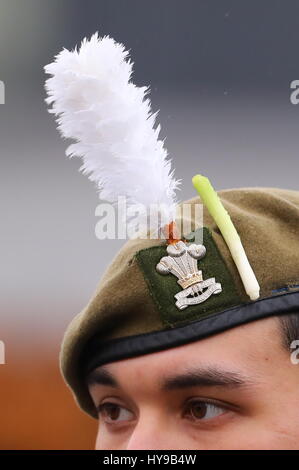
(164, 287)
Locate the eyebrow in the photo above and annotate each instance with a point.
(101, 376)
(205, 377)
(197, 377)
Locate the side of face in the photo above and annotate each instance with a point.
(234, 390)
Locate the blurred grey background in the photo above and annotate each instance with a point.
(220, 73)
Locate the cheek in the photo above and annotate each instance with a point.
(98, 441)
(102, 440)
(254, 436)
(108, 441)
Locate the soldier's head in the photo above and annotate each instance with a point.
(181, 345)
(195, 365)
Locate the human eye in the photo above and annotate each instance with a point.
(114, 413)
(198, 410)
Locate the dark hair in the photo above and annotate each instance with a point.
(289, 326)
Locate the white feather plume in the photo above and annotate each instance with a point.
(97, 105)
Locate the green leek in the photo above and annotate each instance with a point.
(211, 200)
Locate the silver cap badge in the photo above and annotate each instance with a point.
(182, 263)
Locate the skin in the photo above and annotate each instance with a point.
(234, 390)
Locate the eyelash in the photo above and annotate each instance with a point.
(105, 407)
(207, 403)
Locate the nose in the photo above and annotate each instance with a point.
(151, 434)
